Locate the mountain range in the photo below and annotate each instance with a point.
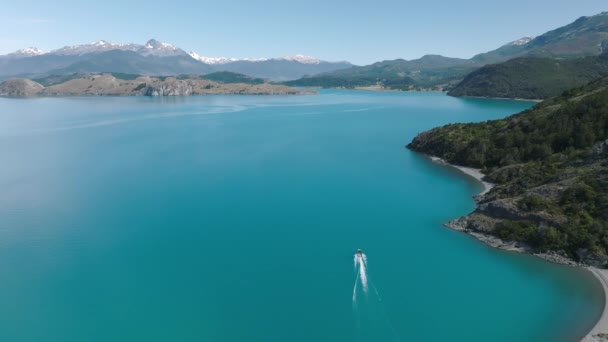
(153, 58)
(549, 63)
(587, 36)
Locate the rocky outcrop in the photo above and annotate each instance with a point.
(599, 150)
(171, 87)
(591, 258)
(20, 87)
(490, 211)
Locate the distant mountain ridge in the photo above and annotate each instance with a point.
(223, 60)
(587, 36)
(154, 58)
(27, 52)
(152, 47)
(428, 72)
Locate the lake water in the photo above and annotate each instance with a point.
(236, 218)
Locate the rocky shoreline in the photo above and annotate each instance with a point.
(460, 225)
(599, 333)
(463, 224)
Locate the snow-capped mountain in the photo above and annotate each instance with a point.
(27, 52)
(223, 60)
(300, 59)
(155, 44)
(94, 47)
(155, 58)
(155, 48)
(152, 47)
(211, 60)
(278, 69)
(520, 41)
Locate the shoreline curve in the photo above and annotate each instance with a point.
(472, 172)
(599, 332)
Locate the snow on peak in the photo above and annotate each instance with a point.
(94, 47)
(301, 59)
(521, 41)
(254, 59)
(155, 44)
(100, 43)
(24, 53)
(152, 47)
(27, 52)
(222, 60)
(211, 60)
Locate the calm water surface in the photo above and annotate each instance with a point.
(235, 218)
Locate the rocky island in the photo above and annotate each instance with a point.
(108, 84)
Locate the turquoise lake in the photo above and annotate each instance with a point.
(236, 218)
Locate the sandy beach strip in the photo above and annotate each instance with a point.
(472, 172)
(601, 327)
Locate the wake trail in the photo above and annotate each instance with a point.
(363, 272)
(385, 314)
(360, 261)
(355, 289)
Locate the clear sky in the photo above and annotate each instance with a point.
(361, 32)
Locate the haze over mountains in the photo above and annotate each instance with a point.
(153, 58)
(587, 36)
(488, 74)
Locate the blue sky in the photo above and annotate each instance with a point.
(361, 32)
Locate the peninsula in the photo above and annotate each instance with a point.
(108, 84)
(550, 167)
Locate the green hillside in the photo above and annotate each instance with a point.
(231, 77)
(587, 36)
(531, 78)
(431, 71)
(551, 167)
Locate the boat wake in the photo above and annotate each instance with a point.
(361, 263)
(370, 314)
(360, 260)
